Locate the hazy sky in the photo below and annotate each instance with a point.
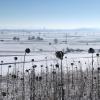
(50, 14)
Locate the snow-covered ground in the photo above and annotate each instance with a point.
(40, 49)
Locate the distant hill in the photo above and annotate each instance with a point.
(87, 30)
(55, 30)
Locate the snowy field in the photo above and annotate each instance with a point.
(43, 44)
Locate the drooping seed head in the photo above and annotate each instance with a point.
(15, 58)
(97, 54)
(91, 50)
(32, 60)
(59, 54)
(72, 64)
(27, 50)
(9, 66)
(57, 65)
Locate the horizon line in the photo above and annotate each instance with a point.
(48, 28)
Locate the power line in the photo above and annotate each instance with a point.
(10, 63)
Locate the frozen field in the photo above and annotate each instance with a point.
(14, 43)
